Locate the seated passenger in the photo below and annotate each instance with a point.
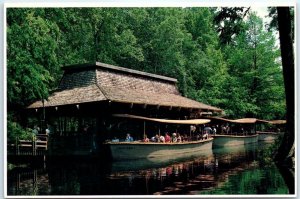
(205, 135)
(162, 139)
(174, 138)
(155, 138)
(146, 139)
(179, 138)
(167, 138)
(185, 138)
(128, 138)
(115, 139)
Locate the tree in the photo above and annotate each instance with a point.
(229, 22)
(253, 61)
(287, 149)
(31, 57)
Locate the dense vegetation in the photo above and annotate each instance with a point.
(237, 69)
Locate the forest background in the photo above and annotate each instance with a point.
(223, 57)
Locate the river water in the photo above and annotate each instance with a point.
(224, 171)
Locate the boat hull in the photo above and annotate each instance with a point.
(233, 140)
(150, 150)
(267, 136)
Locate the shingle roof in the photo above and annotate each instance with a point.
(100, 82)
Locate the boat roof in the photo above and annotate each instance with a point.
(191, 121)
(241, 120)
(277, 121)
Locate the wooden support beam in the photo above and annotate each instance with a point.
(170, 108)
(144, 106)
(157, 107)
(131, 105)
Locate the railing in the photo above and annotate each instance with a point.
(38, 145)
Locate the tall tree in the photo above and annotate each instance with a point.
(253, 60)
(287, 148)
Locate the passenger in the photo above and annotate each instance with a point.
(115, 139)
(128, 138)
(214, 130)
(156, 138)
(205, 135)
(146, 139)
(167, 138)
(185, 138)
(153, 139)
(179, 138)
(162, 139)
(174, 138)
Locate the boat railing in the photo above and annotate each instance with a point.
(184, 140)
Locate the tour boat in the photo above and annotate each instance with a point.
(236, 138)
(233, 140)
(154, 150)
(267, 136)
(271, 136)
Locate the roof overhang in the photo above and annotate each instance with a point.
(192, 121)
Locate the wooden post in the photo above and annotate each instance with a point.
(44, 117)
(33, 146)
(159, 129)
(17, 146)
(144, 129)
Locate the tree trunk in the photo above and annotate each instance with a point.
(287, 55)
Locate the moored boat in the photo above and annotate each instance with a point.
(268, 136)
(154, 150)
(233, 140)
(151, 150)
(239, 132)
(273, 133)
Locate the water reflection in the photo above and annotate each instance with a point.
(234, 170)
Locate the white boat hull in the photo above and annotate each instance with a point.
(150, 150)
(233, 140)
(267, 136)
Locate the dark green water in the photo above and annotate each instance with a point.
(235, 170)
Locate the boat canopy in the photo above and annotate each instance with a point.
(242, 120)
(193, 121)
(277, 122)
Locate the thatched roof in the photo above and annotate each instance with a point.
(103, 82)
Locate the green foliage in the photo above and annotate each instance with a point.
(31, 65)
(253, 62)
(15, 131)
(229, 22)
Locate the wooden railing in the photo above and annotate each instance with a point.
(38, 145)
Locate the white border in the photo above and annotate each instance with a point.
(136, 3)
